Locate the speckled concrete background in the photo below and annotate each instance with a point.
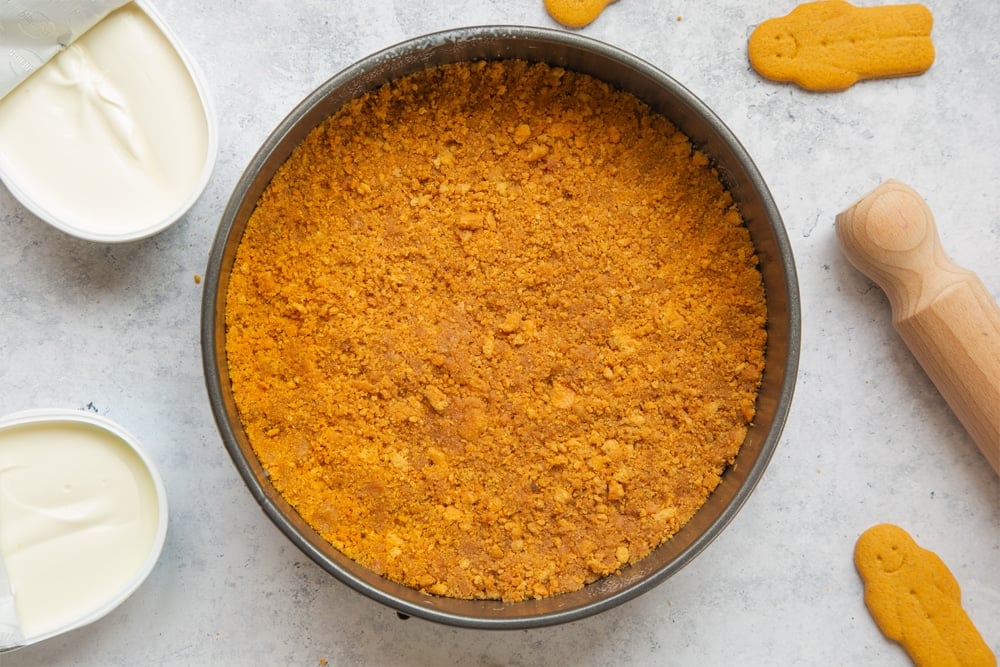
(115, 329)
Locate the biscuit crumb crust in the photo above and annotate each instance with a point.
(495, 330)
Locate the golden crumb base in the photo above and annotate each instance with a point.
(495, 330)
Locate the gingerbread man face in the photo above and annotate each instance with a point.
(888, 554)
(777, 50)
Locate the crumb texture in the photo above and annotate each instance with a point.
(495, 330)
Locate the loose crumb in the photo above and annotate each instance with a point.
(495, 330)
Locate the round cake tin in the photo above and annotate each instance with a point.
(738, 172)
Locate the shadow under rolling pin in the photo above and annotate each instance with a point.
(942, 312)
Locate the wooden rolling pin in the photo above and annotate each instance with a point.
(943, 312)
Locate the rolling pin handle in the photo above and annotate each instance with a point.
(943, 312)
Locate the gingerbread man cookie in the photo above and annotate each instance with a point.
(830, 45)
(575, 13)
(916, 601)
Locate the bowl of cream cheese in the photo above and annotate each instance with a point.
(83, 519)
(107, 130)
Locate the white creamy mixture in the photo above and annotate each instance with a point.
(111, 136)
(78, 521)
